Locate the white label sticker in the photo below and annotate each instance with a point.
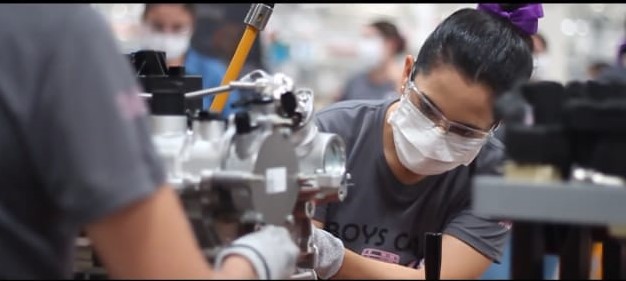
(276, 180)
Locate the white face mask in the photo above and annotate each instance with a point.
(540, 67)
(371, 51)
(426, 149)
(174, 45)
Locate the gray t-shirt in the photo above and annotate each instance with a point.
(361, 88)
(74, 141)
(613, 74)
(386, 220)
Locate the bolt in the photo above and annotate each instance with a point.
(309, 209)
(290, 219)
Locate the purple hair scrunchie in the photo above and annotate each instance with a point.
(525, 18)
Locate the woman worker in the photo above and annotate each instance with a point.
(412, 158)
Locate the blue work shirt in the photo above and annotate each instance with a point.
(212, 71)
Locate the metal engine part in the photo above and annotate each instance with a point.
(267, 164)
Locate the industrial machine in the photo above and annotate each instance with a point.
(564, 184)
(266, 164)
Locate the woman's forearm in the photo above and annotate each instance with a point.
(356, 266)
(458, 261)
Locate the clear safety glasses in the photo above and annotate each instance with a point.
(430, 110)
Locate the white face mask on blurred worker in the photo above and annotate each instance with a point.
(541, 59)
(173, 44)
(167, 28)
(541, 63)
(371, 51)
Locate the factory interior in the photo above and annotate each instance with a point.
(306, 141)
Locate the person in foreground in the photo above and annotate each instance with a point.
(412, 159)
(76, 154)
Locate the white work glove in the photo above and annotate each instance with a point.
(271, 251)
(330, 253)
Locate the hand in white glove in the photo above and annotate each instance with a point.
(330, 253)
(271, 251)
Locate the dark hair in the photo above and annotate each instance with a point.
(190, 7)
(484, 47)
(390, 32)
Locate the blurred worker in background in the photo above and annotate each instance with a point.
(541, 58)
(76, 154)
(378, 50)
(616, 73)
(596, 68)
(169, 28)
(225, 39)
(278, 50)
(412, 159)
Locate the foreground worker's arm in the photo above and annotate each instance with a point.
(458, 261)
(90, 143)
(152, 239)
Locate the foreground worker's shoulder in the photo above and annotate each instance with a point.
(54, 21)
(91, 119)
(50, 25)
(87, 23)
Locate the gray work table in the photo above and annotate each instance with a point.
(576, 203)
(536, 207)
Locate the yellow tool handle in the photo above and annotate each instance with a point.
(235, 66)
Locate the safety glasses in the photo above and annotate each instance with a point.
(421, 101)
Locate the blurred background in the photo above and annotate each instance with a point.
(318, 44)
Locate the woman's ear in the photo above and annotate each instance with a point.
(408, 66)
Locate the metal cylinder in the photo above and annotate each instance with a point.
(229, 179)
(169, 134)
(168, 124)
(326, 152)
(209, 130)
(258, 15)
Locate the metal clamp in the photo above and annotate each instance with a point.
(258, 16)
